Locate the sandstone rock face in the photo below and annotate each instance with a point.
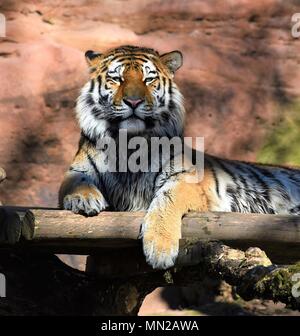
(240, 69)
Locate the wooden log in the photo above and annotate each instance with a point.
(251, 271)
(61, 231)
(49, 287)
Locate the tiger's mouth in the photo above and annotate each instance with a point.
(132, 124)
(132, 117)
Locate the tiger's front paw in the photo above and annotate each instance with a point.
(86, 200)
(161, 241)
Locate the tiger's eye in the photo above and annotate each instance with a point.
(150, 80)
(116, 80)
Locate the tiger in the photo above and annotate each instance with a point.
(132, 89)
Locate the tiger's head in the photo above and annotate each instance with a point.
(132, 89)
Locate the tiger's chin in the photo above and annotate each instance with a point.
(133, 125)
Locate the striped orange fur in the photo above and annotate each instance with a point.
(132, 89)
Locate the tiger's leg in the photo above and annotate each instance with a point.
(161, 229)
(79, 192)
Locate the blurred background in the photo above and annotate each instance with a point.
(240, 80)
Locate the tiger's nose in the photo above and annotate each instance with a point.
(132, 102)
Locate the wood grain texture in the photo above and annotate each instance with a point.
(120, 267)
(61, 231)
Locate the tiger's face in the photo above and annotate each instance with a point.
(131, 89)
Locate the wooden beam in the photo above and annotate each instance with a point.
(252, 272)
(61, 231)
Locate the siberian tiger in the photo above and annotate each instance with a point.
(132, 89)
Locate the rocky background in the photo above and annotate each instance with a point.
(240, 79)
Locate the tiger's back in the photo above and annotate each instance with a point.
(251, 187)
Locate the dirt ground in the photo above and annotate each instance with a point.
(179, 301)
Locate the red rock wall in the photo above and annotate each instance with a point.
(240, 64)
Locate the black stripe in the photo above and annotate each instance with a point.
(252, 201)
(162, 98)
(113, 58)
(131, 58)
(271, 176)
(103, 68)
(93, 164)
(290, 173)
(170, 87)
(104, 98)
(234, 204)
(89, 100)
(230, 173)
(235, 194)
(109, 73)
(101, 185)
(100, 83)
(85, 137)
(158, 86)
(215, 176)
(246, 171)
(164, 84)
(261, 200)
(171, 105)
(96, 112)
(261, 182)
(92, 86)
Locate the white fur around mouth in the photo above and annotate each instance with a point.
(133, 125)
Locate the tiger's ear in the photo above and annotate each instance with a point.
(92, 57)
(172, 60)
